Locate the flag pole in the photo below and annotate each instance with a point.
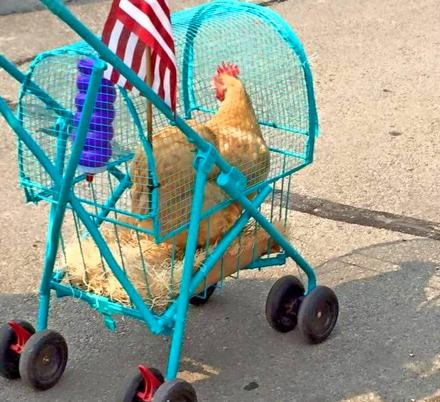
(149, 123)
(149, 104)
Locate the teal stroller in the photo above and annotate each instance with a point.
(144, 226)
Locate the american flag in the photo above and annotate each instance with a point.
(131, 26)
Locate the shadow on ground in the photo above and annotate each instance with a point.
(386, 346)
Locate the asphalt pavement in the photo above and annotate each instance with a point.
(376, 67)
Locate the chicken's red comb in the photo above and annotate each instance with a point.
(228, 68)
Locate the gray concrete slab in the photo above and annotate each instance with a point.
(374, 65)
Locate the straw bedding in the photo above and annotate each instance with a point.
(154, 269)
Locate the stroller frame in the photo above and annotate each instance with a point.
(172, 322)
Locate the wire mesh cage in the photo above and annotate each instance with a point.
(156, 270)
(269, 137)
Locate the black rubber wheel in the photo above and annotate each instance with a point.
(9, 360)
(203, 297)
(175, 391)
(44, 359)
(135, 383)
(283, 302)
(318, 314)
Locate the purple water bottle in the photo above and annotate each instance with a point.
(97, 149)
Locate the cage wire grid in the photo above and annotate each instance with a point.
(271, 73)
(155, 270)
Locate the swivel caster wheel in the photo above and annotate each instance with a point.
(283, 302)
(13, 337)
(318, 314)
(140, 386)
(43, 360)
(175, 391)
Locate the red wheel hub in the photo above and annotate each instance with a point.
(151, 383)
(22, 335)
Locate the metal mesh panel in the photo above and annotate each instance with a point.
(270, 73)
(155, 270)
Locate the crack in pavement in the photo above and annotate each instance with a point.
(360, 216)
(268, 3)
(23, 60)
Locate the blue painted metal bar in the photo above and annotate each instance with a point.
(119, 222)
(99, 303)
(267, 262)
(109, 205)
(260, 122)
(203, 163)
(94, 204)
(61, 129)
(287, 153)
(114, 171)
(218, 252)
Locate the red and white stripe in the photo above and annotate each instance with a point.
(131, 26)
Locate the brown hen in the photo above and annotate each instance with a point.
(236, 134)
